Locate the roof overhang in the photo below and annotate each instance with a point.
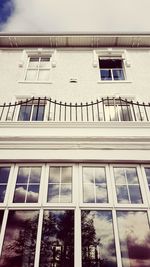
(74, 40)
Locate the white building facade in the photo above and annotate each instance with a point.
(75, 151)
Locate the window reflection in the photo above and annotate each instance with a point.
(57, 244)
(94, 185)
(147, 171)
(4, 174)
(134, 233)
(98, 245)
(127, 185)
(60, 185)
(20, 239)
(27, 185)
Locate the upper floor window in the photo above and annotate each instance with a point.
(111, 69)
(38, 68)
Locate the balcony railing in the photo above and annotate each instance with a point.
(45, 109)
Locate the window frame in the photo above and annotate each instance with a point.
(111, 69)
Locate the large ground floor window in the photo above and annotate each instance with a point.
(74, 215)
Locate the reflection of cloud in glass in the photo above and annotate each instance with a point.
(22, 195)
(134, 235)
(103, 245)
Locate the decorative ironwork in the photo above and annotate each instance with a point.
(45, 109)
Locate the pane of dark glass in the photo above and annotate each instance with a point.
(98, 244)
(65, 193)
(4, 174)
(66, 175)
(53, 193)
(2, 193)
(125, 113)
(147, 171)
(122, 194)
(118, 74)
(57, 244)
(25, 113)
(101, 194)
(88, 193)
(33, 194)
(54, 175)
(23, 174)
(20, 239)
(38, 113)
(20, 193)
(134, 233)
(106, 74)
(135, 194)
(110, 63)
(1, 218)
(35, 175)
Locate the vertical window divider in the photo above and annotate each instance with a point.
(3, 228)
(38, 241)
(116, 234)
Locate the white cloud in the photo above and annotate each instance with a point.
(79, 16)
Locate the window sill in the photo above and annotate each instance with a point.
(120, 81)
(36, 82)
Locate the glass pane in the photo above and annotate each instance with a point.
(4, 174)
(125, 113)
(147, 171)
(57, 244)
(43, 75)
(65, 193)
(35, 175)
(135, 194)
(53, 193)
(45, 62)
(38, 113)
(118, 74)
(32, 194)
(25, 113)
(1, 218)
(23, 175)
(20, 194)
(54, 175)
(122, 194)
(105, 74)
(134, 236)
(101, 194)
(111, 113)
(33, 62)
(66, 175)
(88, 175)
(119, 176)
(100, 176)
(31, 75)
(2, 192)
(98, 245)
(88, 193)
(132, 176)
(20, 239)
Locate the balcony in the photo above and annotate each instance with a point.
(104, 110)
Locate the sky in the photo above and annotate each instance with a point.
(78, 16)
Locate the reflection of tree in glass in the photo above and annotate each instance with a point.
(20, 240)
(57, 244)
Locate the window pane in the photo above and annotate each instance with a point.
(147, 171)
(33, 62)
(127, 185)
(25, 113)
(53, 193)
(57, 244)
(54, 175)
(4, 174)
(110, 63)
(31, 75)
(43, 75)
(94, 185)
(27, 185)
(106, 74)
(98, 245)
(134, 236)
(20, 239)
(65, 193)
(118, 74)
(38, 113)
(125, 113)
(66, 175)
(45, 62)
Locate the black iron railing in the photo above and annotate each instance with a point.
(45, 109)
